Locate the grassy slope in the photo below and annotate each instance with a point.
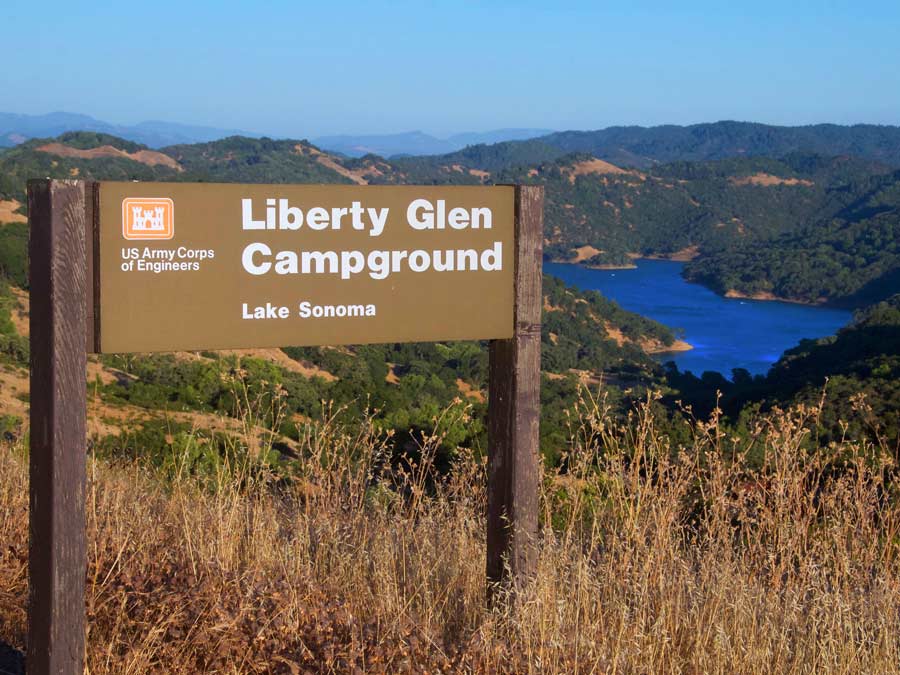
(654, 557)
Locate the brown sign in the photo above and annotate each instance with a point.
(187, 266)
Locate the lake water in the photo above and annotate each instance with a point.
(726, 333)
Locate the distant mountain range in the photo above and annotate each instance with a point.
(625, 146)
(416, 143)
(15, 129)
(643, 147)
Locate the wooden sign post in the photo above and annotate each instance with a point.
(57, 554)
(514, 407)
(136, 267)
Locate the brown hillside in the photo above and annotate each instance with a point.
(358, 176)
(148, 157)
(8, 212)
(768, 180)
(595, 166)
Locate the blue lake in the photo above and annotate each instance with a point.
(726, 333)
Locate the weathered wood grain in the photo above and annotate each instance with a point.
(57, 553)
(92, 242)
(514, 409)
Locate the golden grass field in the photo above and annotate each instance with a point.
(653, 559)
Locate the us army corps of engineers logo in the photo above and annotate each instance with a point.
(148, 218)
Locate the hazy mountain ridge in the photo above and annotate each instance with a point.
(417, 143)
(630, 146)
(644, 146)
(16, 128)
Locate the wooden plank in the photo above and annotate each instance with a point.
(92, 241)
(57, 552)
(514, 409)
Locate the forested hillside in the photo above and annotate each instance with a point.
(739, 217)
(645, 146)
(585, 337)
(803, 226)
(830, 218)
(847, 253)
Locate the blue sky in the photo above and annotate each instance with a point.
(305, 69)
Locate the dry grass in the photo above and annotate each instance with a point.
(659, 559)
(148, 157)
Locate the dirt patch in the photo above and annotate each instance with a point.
(391, 377)
(373, 169)
(358, 176)
(683, 255)
(96, 370)
(768, 180)
(327, 161)
(148, 157)
(8, 212)
(649, 345)
(592, 166)
(105, 419)
(279, 358)
(190, 356)
(766, 295)
(615, 334)
(12, 384)
(657, 347)
(482, 175)
(550, 308)
(686, 254)
(469, 391)
(583, 253)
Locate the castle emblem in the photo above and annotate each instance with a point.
(148, 218)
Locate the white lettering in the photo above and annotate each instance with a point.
(352, 262)
(289, 217)
(379, 219)
(248, 262)
(419, 261)
(424, 222)
(319, 258)
(317, 218)
(247, 212)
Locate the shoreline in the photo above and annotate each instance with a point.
(610, 266)
(602, 266)
(683, 255)
(731, 293)
(585, 253)
(765, 296)
(677, 347)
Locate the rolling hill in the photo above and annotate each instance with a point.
(806, 226)
(734, 219)
(16, 128)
